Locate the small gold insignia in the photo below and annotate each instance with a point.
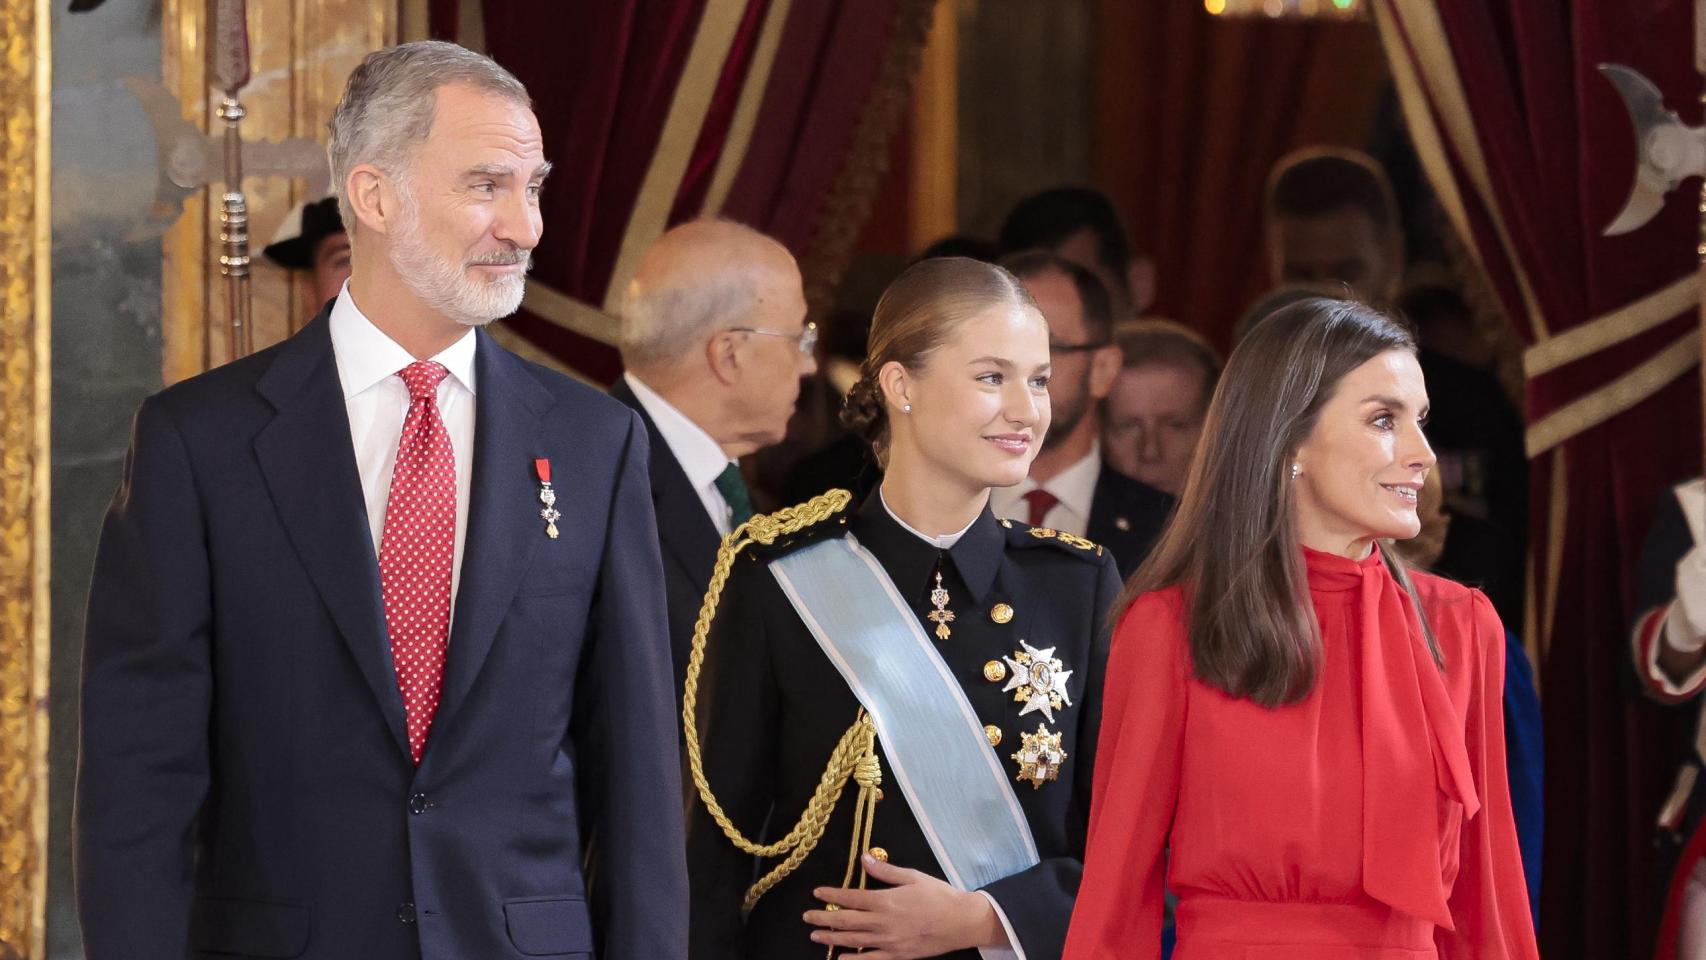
(995, 671)
(1007, 523)
(1040, 757)
(993, 734)
(1122, 524)
(1071, 540)
(1001, 613)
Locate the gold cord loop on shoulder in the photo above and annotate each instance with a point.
(854, 755)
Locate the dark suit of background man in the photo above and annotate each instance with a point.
(1070, 487)
(715, 341)
(344, 697)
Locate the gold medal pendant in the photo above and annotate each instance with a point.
(1040, 757)
(941, 616)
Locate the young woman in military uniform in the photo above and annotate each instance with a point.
(932, 656)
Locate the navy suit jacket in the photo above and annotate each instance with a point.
(244, 785)
(1127, 516)
(686, 535)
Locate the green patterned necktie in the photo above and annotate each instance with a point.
(733, 489)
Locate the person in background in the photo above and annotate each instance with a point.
(312, 244)
(1669, 644)
(1302, 736)
(1071, 487)
(1331, 219)
(714, 340)
(1153, 415)
(1081, 225)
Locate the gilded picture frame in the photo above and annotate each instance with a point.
(24, 433)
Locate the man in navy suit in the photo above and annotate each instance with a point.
(355, 683)
(715, 341)
(1071, 487)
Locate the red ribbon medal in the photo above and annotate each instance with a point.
(547, 496)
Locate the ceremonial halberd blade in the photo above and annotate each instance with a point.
(1667, 150)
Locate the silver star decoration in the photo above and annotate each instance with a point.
(1038, 679)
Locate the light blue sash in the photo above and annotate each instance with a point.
(951, 778)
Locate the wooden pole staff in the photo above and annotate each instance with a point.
(229, 67)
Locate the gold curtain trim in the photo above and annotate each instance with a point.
(1615, 397)
(570, 314)
(1557, 521)
(693, 92)
(848, 204)
(1613, 328)
(745, 119)
(1420, 25)
(25, 364)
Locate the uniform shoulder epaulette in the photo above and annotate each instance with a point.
(830, 527)
(1024, 535)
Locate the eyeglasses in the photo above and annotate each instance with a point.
(1057, 347)
(807, 337)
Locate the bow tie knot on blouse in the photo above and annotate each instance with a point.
(1413, 747)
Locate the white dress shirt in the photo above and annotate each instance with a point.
(701, 457)
(377, 401)
(1075, 487)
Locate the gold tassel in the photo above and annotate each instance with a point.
(868, 774)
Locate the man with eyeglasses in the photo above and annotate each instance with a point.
(1070, 487)
(714, 341)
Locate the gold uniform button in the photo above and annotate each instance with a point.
(1001, 613)
(993, 734)
(879, 854)
(995, 671)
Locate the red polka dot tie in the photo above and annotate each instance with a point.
(416, 552)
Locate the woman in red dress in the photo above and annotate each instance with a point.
(1304, 740)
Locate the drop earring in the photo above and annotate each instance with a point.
(1296, 470)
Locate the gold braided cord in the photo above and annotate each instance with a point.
(854, 755)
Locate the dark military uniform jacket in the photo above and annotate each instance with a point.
(772, 707)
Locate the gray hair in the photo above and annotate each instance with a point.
(389, 102)
(663, 324)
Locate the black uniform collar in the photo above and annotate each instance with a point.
(910, 561)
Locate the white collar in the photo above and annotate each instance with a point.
(944, 542)
(366, 356)
(700, 456)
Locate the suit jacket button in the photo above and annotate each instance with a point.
(418, 803)
(995, 671)
(406, 913)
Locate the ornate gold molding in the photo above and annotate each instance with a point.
(24, 366)
(301, 52)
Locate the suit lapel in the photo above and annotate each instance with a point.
(308, 462)
(504, 527)
(686, 533)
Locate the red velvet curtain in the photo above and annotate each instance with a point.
(1535, 154)
(604, 75)
(1191, 111)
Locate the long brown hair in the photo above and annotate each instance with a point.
(1232, 543)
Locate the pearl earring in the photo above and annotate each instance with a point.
(1296, 470)
(907, 408)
